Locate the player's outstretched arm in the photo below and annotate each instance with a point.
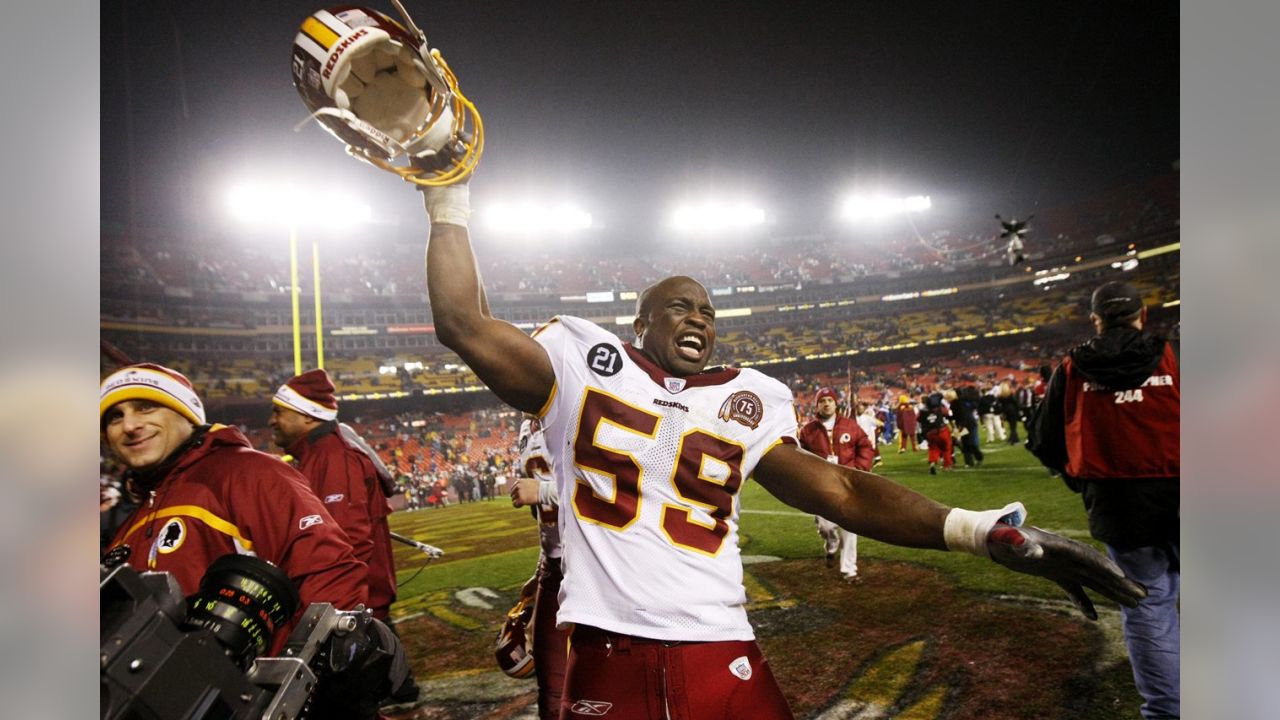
(512, 364)
(861, 502)
(879, 508)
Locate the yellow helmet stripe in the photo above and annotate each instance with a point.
(319, 32)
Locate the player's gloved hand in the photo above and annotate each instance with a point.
(1071, 564)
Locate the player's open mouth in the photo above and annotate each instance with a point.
(690, 346)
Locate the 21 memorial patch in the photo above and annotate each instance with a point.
(604, 360)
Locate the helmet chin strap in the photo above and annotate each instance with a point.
(639, 341)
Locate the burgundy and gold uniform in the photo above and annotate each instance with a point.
(550, 641)
(649, 477)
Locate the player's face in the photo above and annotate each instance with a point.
(681, 326)
(826, 407)
(287, 425)
(142, 433)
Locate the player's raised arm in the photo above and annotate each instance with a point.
(512, 364)
(876, 507)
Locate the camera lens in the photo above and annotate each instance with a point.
(243, 601)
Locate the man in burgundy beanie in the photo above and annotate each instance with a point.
(842, 441)
(344, 472)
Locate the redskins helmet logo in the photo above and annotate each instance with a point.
(743, 407)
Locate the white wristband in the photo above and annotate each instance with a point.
(967, 530)
(449, 204)
(547, 494)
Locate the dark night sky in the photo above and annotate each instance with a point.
(987, 107)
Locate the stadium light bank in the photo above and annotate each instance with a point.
(861, 208)
(533, 218)
(715, 217)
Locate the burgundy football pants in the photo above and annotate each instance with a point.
(550, 645)
(621, 677)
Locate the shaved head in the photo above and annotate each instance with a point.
(644, 303)
(675, 325)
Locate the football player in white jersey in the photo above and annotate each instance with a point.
(650, 449)
(537, 489)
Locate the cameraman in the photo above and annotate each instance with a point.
(205, 492)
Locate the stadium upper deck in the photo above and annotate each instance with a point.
(227, 321)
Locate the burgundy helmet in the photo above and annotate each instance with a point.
(513, 648)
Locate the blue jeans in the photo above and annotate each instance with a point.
(1151, 629)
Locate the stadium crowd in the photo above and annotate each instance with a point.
(159, 260)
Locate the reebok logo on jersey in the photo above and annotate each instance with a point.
(743, 407)
(741, 667)
(308, 521)
(337, 497)
(594, 708)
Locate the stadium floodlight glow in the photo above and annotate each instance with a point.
(711, 217)
(528, 217)
(876, 207)
(286, 204)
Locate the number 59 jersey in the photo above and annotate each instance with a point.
(650, 468)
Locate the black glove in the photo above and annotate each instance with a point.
(1071, 564)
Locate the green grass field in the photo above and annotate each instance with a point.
(925, 635)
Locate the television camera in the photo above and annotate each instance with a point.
(166, 657)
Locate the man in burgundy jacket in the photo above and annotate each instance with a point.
(344, 473)
(840, 440)
(205, 493)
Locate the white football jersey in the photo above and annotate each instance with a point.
(535, 462)
(650, 469)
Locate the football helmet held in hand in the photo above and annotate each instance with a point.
(375, 85)
(513, 647)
